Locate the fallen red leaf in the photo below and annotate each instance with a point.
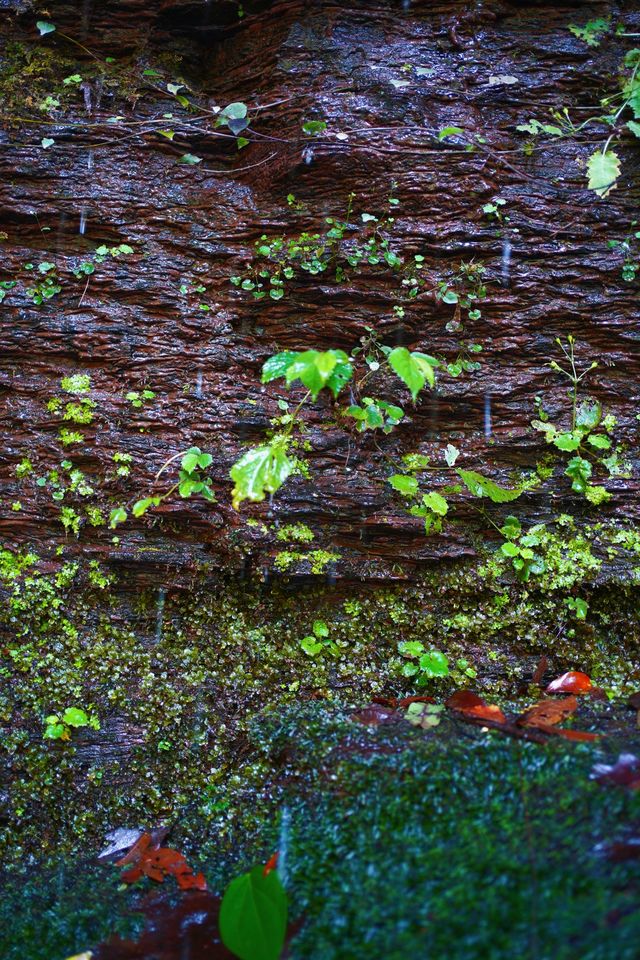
(571, 682)
(192, 881)
(271, 864)
(396, 704)
(137, 851)
(375, 713)
(548, 712)
(406, 701)
(471, 705)
(625, 772)
(149, 859)
(540, 671)
(581, 735)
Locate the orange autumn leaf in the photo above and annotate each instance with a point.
(148, 859)
(471, 705)
(271, 864)
(191, 881)
(582, 736)
(137, 851)
(572, 682)
(548, 712)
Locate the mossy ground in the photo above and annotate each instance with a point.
(213, 718)
(395, 843)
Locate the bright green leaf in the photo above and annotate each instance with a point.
(253, 915)
(261, 470)
(74, 717)
(480, 486)
(414, 369)
(436, 503)
(450, 132)
(314, 127)
(277, 365)
(434, 664)
(407, 486)
(599, 441)
(579, 470)
(567, 441)
(410, 648)
(603, 169)
(117, 516)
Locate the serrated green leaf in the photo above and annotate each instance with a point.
(407, 486)
(316, 369)
(510, 549)
(435, 502)
(414, 369)
(260, 471)
(589, 415)
(480, 486)
(191, 459)
(603, 169)
(592, 32)
(74, 717)
(579, 470)
(277, 365)
(567, 442)
(44, 27)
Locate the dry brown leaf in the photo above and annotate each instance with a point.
(548, 712)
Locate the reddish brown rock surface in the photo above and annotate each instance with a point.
(132, 328)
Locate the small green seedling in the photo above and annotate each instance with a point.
(430, 663)
(139, 398)
(318, 640)
(59, 727)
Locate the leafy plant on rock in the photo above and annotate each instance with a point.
(319, 640)
(423, 664)
(588, 441)
(262, 470)
(191, 480)
(60, 726)
(620, 112)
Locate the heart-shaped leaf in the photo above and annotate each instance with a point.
(253, 916)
